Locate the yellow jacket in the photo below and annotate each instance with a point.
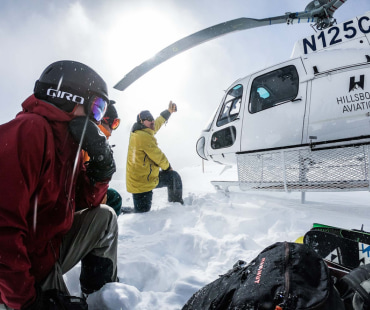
(144, 158)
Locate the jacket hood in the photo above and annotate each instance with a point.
(45, 109)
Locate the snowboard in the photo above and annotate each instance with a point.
(345, 252)
(353, 234)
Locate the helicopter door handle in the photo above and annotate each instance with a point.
(297, 99)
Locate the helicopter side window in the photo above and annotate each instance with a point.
(274, 88)
(231, 107)
(223, 138)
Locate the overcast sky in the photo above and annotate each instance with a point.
(114, 36)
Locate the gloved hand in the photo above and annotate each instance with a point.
(55, 300)
(172, 107)
(169, 168)
(101, 165)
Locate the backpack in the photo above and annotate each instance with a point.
(284, 276)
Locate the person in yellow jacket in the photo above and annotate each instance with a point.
(147, 166)
(109, 122)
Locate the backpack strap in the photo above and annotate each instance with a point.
(355, 285)
(351, 284)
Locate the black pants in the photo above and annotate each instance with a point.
(171, 180)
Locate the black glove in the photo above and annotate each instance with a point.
(169, 168)
(55, 300)
(101, 165)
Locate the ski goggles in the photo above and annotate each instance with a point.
(113, 123)
(148, 118)
(98, 108)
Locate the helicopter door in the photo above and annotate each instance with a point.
(223, 135)
(276, 109)
(340, 101)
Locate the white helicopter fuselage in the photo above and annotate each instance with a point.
(319, 97)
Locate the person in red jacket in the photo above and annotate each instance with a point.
(42, 179)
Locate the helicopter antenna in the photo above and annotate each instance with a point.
(319, 12)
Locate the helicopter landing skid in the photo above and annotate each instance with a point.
(223, 186)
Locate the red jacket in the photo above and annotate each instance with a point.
(37, 154)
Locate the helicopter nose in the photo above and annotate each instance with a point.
(201, 147)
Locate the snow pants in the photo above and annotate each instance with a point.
(92, 240)
(170, 179)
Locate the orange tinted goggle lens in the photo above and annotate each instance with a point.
(115, 123)
(112, 124)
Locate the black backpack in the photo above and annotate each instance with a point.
(284, 276)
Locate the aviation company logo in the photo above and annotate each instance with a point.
(359, 101)
(356, 84)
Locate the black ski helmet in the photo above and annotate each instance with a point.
(111, 110)
(66, 83)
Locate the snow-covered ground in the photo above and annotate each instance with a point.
(166, 255)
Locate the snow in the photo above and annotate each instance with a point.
(167, 254)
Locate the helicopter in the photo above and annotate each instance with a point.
(300, 125)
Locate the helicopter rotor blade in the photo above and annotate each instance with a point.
(192, 41)
(335, 6)
(316, 12)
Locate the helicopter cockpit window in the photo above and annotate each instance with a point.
(274, 88)
(231, 107)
